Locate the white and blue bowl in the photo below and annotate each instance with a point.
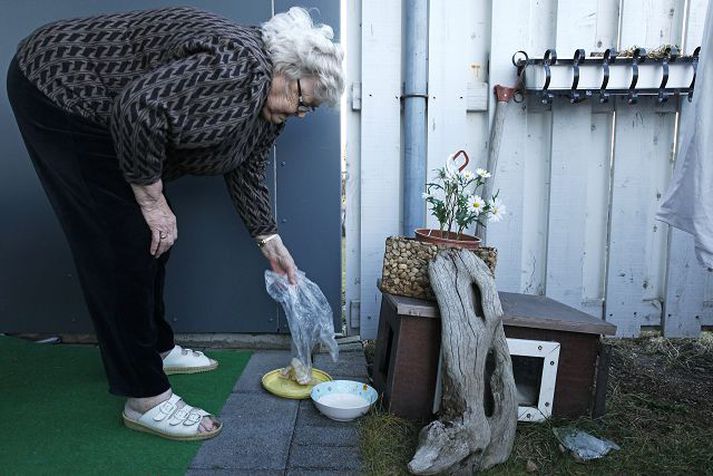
(343, 400)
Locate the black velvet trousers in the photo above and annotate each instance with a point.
(122, 283)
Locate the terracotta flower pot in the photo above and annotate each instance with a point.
(448, 238)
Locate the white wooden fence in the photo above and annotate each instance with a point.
(581, 182)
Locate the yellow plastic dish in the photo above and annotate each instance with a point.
(284, 387)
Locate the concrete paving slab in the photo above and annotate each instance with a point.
(351, 366)
(325, 436)
(335, 458)
(310, 416)
(264, 407)
(256, 436)
(260, 363)
(268, 435)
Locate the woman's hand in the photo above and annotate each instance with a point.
(158, 216)
(279, 258)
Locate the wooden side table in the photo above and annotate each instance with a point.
(409, 339)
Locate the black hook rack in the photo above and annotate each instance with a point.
(671, 54)
(608, 58)
(663, 75)
(574, 95)
(639, 56)
(549, 59)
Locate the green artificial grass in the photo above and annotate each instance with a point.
(58, 417)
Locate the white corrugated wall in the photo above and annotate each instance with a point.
(581, 182)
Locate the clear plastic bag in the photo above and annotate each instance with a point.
(583, 446)
(310, 319)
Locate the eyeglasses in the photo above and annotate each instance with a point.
(302, 108)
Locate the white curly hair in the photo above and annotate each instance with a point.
(298, 47)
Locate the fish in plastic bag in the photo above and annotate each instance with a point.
(310, 319)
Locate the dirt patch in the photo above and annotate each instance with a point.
(674, 371)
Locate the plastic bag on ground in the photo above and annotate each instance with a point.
(310, 319)
(584, 446)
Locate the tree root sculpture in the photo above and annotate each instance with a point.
(465, 439)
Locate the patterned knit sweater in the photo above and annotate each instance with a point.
(180, 89)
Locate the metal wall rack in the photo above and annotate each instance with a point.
(606, 75)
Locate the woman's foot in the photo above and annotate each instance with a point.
(186, 361)
(134, 408)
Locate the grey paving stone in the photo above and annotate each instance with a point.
(257, 434)
(260, 363)
(352, 346)
(260, 407)
(268, 435)
(325, 436)
(351, 366)
(336, 458)
(310, 416)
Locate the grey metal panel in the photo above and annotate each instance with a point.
(215, 277)
(215, 281)
(308, 177)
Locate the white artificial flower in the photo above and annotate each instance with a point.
(497, 211)
(476, 204)
(483, 173)
(467, 174)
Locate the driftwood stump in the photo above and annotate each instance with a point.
(466, 439)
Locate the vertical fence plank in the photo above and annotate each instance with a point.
(477, 43)
(606, 27)
(352, 152)
(643, 142)
(380, 147)
(580, 166)
(684, 309)
(597, 210)
(458, 48)
(536, 195)
(536, 161)
(643, 147)
(517, 25)
(447, 83)
(510, 21)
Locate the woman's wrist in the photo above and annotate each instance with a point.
(263, 240)
(148, 195)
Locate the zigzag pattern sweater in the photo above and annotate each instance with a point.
(180, 89)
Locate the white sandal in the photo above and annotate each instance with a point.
(168, 421)
(187, 361)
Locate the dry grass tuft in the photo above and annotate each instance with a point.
(387, 443)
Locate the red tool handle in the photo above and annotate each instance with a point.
(467, 159)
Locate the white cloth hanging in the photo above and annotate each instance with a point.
(688, 202)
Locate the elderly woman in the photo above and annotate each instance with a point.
(113, 106)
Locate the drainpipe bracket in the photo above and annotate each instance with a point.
(406, 96)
